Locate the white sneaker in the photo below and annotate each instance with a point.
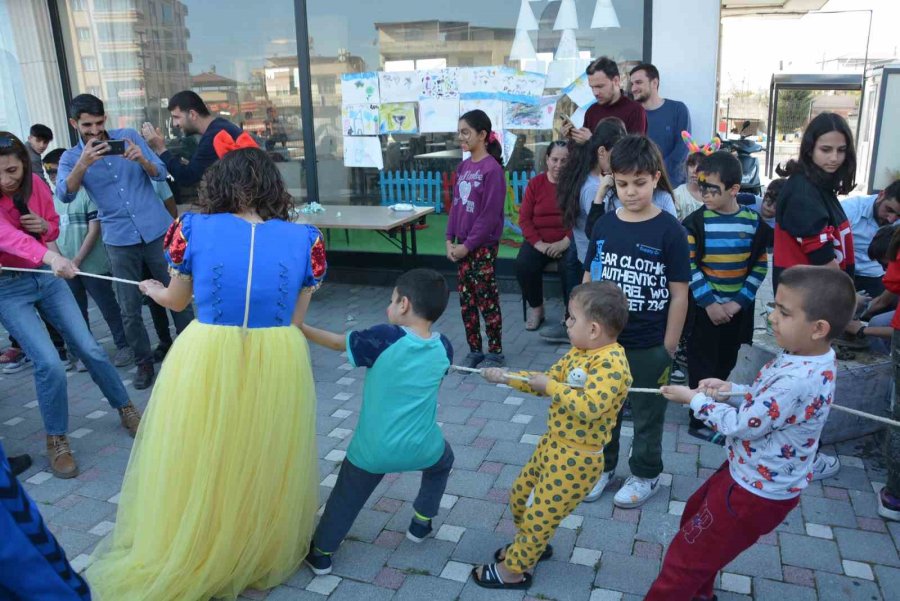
(598, 489)
(636, 491)
(825, 466)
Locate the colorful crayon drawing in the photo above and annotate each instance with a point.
(359, 88)
(440, 83)
(522, 115)
(359, 119)
(519, 86)
(398, 118)
(491, 106)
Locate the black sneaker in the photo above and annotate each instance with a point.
(144, 377)
(493, 360)
(19, 464)
(160, 353)
(319, 564)
(472, 360)
(418, 531)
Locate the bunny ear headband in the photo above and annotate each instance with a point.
(693, 147)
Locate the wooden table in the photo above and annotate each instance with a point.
(378, 219)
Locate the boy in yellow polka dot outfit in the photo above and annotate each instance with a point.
(587, 387)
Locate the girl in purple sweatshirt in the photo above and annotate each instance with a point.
(473, 235)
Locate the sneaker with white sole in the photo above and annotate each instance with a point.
(888, 506)
(319, 563)
(599, 487)
(636, 491)
(14, 367)
(825, 466)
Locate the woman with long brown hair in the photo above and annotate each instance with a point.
(28, 222)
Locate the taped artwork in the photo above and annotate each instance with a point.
(360, 119)
(359, 88)
(492, 106)
(580, 92)
(521, 115)
(398, 118)
(440, 83)
(438, 115)
(363, 152)
(399, 86)
(479, 79)
(519, 86)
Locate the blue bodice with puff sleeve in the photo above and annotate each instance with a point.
(223, 254)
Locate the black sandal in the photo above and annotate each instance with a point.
(491, 579)
(547, 554)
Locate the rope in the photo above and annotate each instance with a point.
(856, 412)
(82, 273)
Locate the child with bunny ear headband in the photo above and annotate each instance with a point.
(707, 149)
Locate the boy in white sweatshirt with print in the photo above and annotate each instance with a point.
(771, 435)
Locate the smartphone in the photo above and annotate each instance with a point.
(116, 147)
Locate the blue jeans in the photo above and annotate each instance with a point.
(21, 295)
(102, 293)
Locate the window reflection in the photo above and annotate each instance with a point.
(136, 54)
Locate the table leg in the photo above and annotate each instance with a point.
(403, 240)
(412, 234)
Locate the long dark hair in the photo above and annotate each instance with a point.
(12, 146)
(480, 122)
(640, 154)
(582, 160)
(245, 179)
(844, 179)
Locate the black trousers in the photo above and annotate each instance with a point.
(354, 487)
(530, 264)
(712, 350)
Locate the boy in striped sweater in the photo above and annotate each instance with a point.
(728, 263)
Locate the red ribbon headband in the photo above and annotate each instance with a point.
(224, 143)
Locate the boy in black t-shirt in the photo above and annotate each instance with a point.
(645, 251)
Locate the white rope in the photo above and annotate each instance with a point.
(85, 274)
(856, 412)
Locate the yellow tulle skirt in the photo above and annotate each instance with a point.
(221, 489)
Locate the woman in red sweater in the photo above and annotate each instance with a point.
(546, 239)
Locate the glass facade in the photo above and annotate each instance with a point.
(134, 54)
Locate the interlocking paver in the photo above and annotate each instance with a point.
(866, 546)
(770, 589)
(485, 423)
(807, 552)
(416, 588)
(833, 587)
(562, 581)
(428, 556)
(626, 573)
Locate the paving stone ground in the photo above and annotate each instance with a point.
(833, 546)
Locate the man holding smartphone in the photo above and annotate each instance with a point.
(118, 169)
(605, 82)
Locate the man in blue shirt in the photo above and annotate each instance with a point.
(192, 117)
(666, 119)
(132, 218)
(866, 215)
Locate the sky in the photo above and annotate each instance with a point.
(755, 48)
